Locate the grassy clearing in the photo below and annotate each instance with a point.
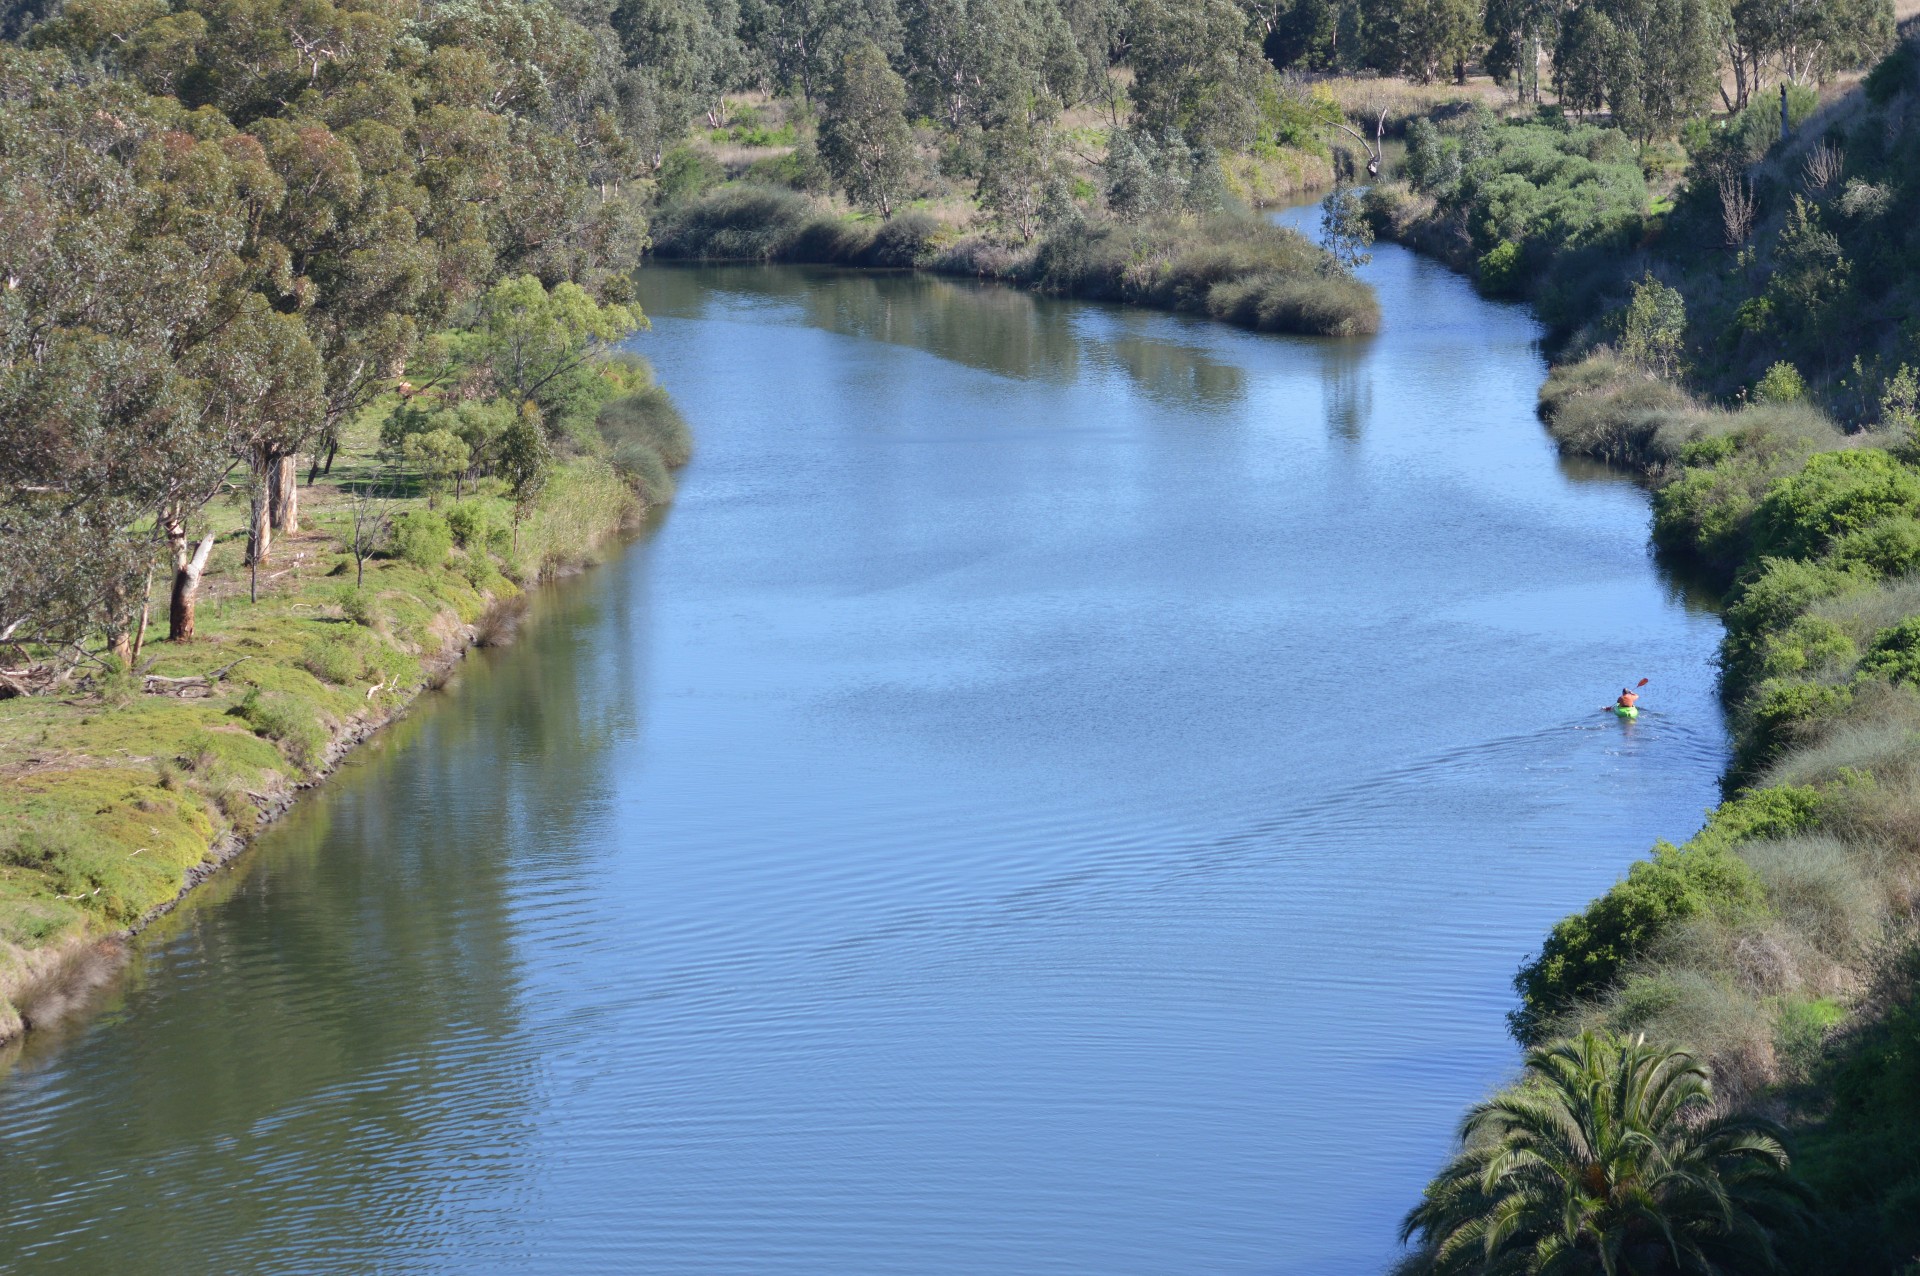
(112, 789)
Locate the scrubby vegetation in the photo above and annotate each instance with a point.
(1234, 268)
(1732, 316)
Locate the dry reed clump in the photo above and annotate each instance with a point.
(1239, 269)
(1880, 733)
(980, 257)
(500, 624)
(1723, 1024)
(1864, 613)
(745, 222)
(1609, 409)
(1824, 890)
(1235, 269)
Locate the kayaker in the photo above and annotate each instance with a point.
(1627, 698)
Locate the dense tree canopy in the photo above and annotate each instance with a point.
(229, 223)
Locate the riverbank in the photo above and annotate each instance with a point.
(1715, 336)
(1237, 269)
(123, 789)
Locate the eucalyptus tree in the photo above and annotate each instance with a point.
(1518, 31)
(864, 138)
(803, 43)
(136, 348)
(1423, 39)
(1197, 72)
(1652, 63)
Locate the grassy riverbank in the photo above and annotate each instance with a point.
(120, 789)
(1734, 322)
(1235, 268)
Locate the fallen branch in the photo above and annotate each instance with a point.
(193, 679)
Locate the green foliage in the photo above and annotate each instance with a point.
(422, 538)
(864, 139)
(1654, 327)
(1895, 653)
(438, 455)
(1783, 712)
(1500, 270)
(686, 174)
(1197, 73)
(1587, 951)
(1422, 39)
(1549, 189)
(1771, 811)
(288, 722)
(1769, 602)
(532, 338)
(1807, 646)
(1889, 547)
(1344, 230)
(1609, 1147)
(1836, 494)
(1861, 1156)
(1652, 65)
(1897, 73)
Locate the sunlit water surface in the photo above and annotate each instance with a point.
(1065, 791)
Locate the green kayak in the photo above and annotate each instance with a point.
(1626, 711)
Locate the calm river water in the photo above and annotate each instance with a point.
(1064, 791)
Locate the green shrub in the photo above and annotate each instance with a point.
(1769, 602)
(335, 660)
(799, 169)
(1895, 653)
(480, 572)
(1890, 547)
(685, 174)
(1585, 953)
(1778, 810)
(356, 605)
(733, 223)
(1808, 645)
(1781, 384)
(1801, 1027)
(1500, 270)
(289, 723)
(648, 419)
(1781, 712)
(469, 523)
(422, 538)
(1836, 494)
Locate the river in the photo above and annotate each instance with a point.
(1063, 791)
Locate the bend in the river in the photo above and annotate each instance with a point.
(1063, 792)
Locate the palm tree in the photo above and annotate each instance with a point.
(1607, 1159)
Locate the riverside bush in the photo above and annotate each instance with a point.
(422, 538)
(1835, 494)
(1895, 653)
(648, 418)
(289, 723)
(1585, 953)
